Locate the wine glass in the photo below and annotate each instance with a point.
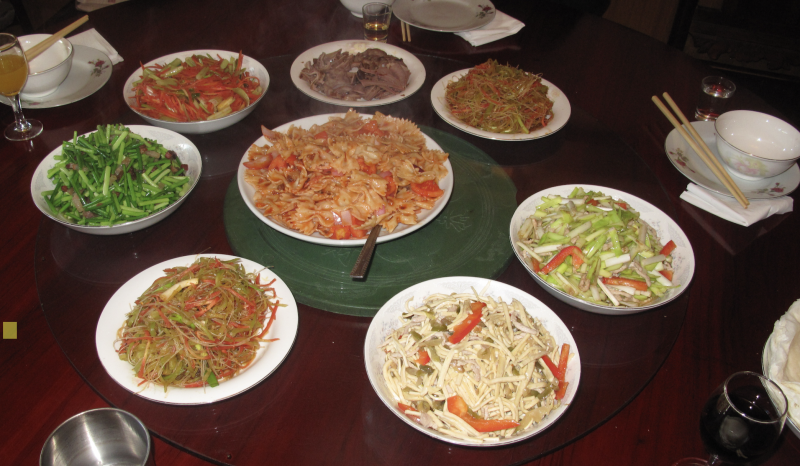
(741, 421)
(13, 75)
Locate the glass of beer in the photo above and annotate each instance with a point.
(13, 75)
(376, 21)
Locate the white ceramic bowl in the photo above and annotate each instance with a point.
(187, 153)
(355, 5)
(756, 145)
(200, 127)
(683, 255)
(48, 70)
(387, 320)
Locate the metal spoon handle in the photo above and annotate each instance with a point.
(365, 257)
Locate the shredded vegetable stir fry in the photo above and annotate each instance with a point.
(597, 249)
(198, 325)
(199, 88)
(342, 178)
(474, 368)
(500, 99)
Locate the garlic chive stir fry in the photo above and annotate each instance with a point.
(198, 325)
(474, 368)
(596, 248)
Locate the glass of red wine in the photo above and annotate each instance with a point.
(742, 420)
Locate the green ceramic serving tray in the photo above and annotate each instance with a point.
(468, 238)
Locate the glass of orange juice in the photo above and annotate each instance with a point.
(13, 75)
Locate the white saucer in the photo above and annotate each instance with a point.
(91, 69)
(445, 15)
(687, 162)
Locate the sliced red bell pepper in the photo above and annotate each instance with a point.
(668, 248)
(636, 284)
(461, 330)
(563, 359)
(552, 366)
(558, 259)
(537, 266)
(424, 357)
(456, 405)
(667, 274)
(562, 390)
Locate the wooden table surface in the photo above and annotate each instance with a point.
(645, 376)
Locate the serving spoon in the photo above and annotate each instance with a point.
(365, 256)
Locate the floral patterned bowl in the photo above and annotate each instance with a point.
(756, 145)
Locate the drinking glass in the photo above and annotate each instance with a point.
(13, 75)
(376, 18)
(742, 420)
(715, 92)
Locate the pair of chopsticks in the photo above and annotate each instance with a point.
(37, 49)
(406, 29)
(700, 147)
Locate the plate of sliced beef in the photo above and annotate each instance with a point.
(357, 73)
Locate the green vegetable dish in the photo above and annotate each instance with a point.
(113, 176)
(597, 249)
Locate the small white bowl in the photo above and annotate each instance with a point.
(355, 5)
(48, 70)
(254, 67)
(756, 145)
(187, 153)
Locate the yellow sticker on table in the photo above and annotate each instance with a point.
(9, 330)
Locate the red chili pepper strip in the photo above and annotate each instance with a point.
(668, 248)
(457, 406)
(636, 284)
(562, 390)
(562, 361)
(424, 358)
(552, 366)
(558, 259)
(461, 330)
(537, 266)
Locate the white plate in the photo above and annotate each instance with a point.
(766, 357)
(682, 257)
(355, 46)
(423, 218)
(687, 162)
(90, 70)
(561, 111)
(200, 127)
(268, 358)
(445, 15)
(387, 319)
(187, 153)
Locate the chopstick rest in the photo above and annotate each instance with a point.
(730, 210)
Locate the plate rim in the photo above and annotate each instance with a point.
(101, 230)
(765, 357)
(560, 118)
(229, 388)
(705, 128)
(408, 19)
(246, 191)
(416, 80)
(635, 202)
(496, 289)
(127, 94)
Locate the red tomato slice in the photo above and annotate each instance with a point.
(428, 189)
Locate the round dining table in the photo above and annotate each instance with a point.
(644, 376)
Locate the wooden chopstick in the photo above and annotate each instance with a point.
(702, 150)
(37, 49)
(406, 31)
(403, 29)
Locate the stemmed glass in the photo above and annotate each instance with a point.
(741, 421)
(13, 75)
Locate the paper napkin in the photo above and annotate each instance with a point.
(93, 39)
(501, 26)
(729, 209)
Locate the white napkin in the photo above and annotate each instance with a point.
(501, 26)
(93, 39)
(729, 209)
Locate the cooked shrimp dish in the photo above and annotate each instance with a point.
(473, 367)
(342, 178)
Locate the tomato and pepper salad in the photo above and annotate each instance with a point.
(597, 249)
(197, 88)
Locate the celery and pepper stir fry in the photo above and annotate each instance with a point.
(473, 367)
(198, 325)
(597, 249)
(113, 176)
